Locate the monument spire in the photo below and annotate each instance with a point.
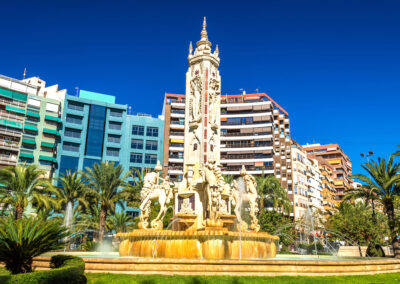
(204, 31)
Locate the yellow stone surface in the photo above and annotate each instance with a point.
(207, 244)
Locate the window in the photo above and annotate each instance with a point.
(116, 112)
(137, 144)
(74, 119)
(32, 119)
(51, 107)
(136, 171)
(150, 159)
(132, 214)
(152, 131)
(114, 138)
(113, 152)
(68, 163)
(151, 145)
(95, 133)
(45, 163)
(75, 106)
(33, 102)
(72, 147)
(114, 125)
(75, 133)
(136, 158)
(90, 162)
(138, 130)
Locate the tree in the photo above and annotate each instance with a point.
(134, 187)
(23, 239)
(366, 193)
(353, 222)
(276, 223)
(120, 222)
(71, 191)
(271, 192)
(228, 179)
(105, 181)
(384, 180)
(23, 185)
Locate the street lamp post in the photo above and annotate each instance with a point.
(367, 155)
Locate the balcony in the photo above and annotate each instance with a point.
(8, 160)
(12, 102)
(12, 117)
(7, 131)
(10, 145)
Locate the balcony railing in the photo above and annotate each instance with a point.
(246, 145)
(178, 111)
(235, 134)
(6, 131)
(9, 116)
(176, 133)
(12, 102)
(176, 122)
(9, 144)
(175, 168)
(245, 156)
(8, 160)
(248, 168)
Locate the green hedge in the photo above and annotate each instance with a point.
(66, 269)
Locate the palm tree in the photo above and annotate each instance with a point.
(228, 179)
(269, 188)
(120, 222)
(384, 180)
(366, 193)
(71, 191)
(23, 185)
(134, 187)
(105, 180)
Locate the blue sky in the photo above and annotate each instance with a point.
(333, 65)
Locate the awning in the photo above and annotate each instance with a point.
(30, 127)
(51, 131)
(26, 155)
(28, 141)
(46, 158)
(177, 141)
(14, 109)
(11, 123)
(47, 144)
(33, 114)
(53, 118)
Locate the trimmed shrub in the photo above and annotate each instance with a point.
(66, 269)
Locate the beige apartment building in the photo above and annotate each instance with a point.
(255, 132)
(339, 161)
(306, 191)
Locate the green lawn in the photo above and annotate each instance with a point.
(108, 278)
(150, 279)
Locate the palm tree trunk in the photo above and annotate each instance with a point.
(103, 215)
(373, 211)
(19, 212)
(393, 235)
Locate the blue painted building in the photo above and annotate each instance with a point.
(96, 129)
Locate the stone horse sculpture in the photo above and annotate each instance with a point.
(248, 195)
(152, 191)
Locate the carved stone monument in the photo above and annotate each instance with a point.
(202, 226)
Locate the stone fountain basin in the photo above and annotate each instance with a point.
(206, 244)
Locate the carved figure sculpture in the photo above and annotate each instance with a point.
(153, 191)
(213, 102)
(250, 195)
(195, 101)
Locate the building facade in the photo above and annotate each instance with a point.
(255, 132)
(339, 161)
(307, 184)
(96, 129)
(31, 114)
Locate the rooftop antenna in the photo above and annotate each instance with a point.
(77, 91)
(23, 76)
(129, 110)
(257, 90)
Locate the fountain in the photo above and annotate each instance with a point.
(203, 224)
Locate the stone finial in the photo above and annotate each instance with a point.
(216, 52)
(158, 167)
(190, 48)
(204, 31)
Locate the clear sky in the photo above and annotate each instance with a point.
(333, 65)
